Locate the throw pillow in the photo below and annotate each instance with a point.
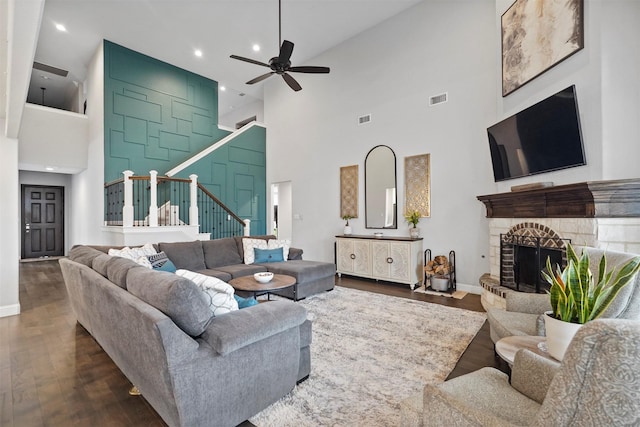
(245, 302)
(268, 255)
(138, 255)
(282, 243)
(219, 294)
(248, 245)
(161, 261)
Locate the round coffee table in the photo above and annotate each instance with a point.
(249, 284)
(508, 347)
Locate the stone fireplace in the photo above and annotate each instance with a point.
(603, 214)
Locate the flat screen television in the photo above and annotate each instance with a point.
(542, 138)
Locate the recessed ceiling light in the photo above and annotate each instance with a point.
(256, 48)
(222, 88)
(61, 27)
(50, 168)
(198, 53)
(42, 76)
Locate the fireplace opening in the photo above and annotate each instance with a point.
(524, 256)
(528, 265)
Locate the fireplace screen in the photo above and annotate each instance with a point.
(522, 259)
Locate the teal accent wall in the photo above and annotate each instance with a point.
(236, 174)
(157, 115)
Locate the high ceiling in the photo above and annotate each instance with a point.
(171, 30)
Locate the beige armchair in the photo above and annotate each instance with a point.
(523, 314)
(596, 385)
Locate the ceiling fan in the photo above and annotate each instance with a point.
(281, 64)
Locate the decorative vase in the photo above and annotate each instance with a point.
(414, 232)
(559, 335)
(347, 230)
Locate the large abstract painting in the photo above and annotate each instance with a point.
(536, 35)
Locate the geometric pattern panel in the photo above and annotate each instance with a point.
(155, 115)
(349, 191)
(417, 184)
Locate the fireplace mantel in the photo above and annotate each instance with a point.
(593, 199)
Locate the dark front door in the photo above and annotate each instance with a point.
(42, 221)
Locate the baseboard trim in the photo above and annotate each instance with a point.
(9, 310)
(472, 289)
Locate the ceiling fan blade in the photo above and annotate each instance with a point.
(259, 78)
(252, 61)
(309, 69)
(285, 51)
(293, 84)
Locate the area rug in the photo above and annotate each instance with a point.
(369, 352)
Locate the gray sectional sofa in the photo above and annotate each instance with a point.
(224, 259)
(193, 368)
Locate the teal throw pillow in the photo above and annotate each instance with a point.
(268, 255)
(245, 302)
(161, 262)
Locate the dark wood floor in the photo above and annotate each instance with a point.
(52, 373)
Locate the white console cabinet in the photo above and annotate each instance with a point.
(394, 259)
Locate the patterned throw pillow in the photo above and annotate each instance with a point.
(248, 245)
(138, 255)
(161, 261)
(219, 294)
(283, 243)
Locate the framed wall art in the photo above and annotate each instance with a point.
(349, 191)
(417, 184)
(536, 36)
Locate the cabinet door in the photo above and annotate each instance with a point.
(362, 257)
(400, 266)
(344, 257)
(391, 260)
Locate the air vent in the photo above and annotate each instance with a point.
(438, 99)
(364, 119)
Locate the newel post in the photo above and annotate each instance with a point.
(153, 202)
(193, 207)
(247, 227)
(127, 209)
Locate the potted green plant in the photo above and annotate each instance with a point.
(413, 218)
(347, 227)
(578, 297)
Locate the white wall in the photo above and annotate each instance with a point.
(255, 108)
(9, 225)
(87, 200)
(391, 71)
(435, 47)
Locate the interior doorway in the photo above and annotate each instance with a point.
(42, 221)
(281, 210)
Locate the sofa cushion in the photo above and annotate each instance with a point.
(118, 268)
(219, 252)
(175, 296)
(239, 270)
(185, 255)
(100, 264)
(224, 276)
(303, 271)
(219, 294)
(268, 255)
(84, 254)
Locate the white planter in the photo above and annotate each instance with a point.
(414, 232)
(559, 335)
(347, 230)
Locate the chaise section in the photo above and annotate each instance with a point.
(312, 277)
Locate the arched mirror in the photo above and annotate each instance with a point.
(380, 188)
